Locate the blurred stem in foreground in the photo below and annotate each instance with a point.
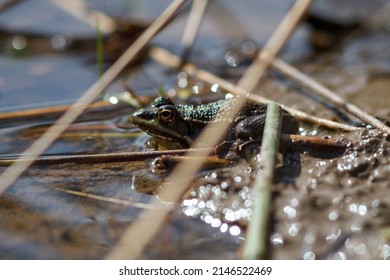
(99, 49)
(257, 234)
(9, 4)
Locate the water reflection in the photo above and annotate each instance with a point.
(334, 215)
(235, 230)
(294, 202)
(19, 43)
(356, 245)
(309, 256)
(221, 201)
(385, 254)
(277, 239)
(356, 228)
(359, 209)
(232, 58)
(58, 42)
(224, 227)
(310, 238)
(290, 211)
(182, 79)
(332, 237)
(294, 229)
(340, 256)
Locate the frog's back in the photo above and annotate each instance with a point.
(211, 112)
(203, 113)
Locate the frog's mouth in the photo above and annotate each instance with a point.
(160, 132)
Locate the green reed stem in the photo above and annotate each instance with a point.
(256, 246)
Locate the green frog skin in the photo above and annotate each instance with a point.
(176, 126)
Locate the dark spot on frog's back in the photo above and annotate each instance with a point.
(161, 101)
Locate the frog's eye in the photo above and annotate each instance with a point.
(167, 114)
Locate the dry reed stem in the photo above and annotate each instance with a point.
(37, 112)
(80, 10)
(192, 26)
(165, 57)
(98, 158)
(110, 199)
(10, 175)
(318, 89)
(144, 228)
(312, 141)
(175, 155)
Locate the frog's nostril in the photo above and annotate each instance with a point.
(146, 115)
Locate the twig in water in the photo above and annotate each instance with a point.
(314, 142)
(257, 233)
(31, 113)
(144, 228)
(40, 145)
(110, 199)
(7, 118)
(318, 89)
(98, 158)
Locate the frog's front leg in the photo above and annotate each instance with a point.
(250, 128)
(248, 134)
(167, 162)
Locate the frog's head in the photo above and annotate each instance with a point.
(162, 120)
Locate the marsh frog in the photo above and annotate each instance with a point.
(175, 126)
